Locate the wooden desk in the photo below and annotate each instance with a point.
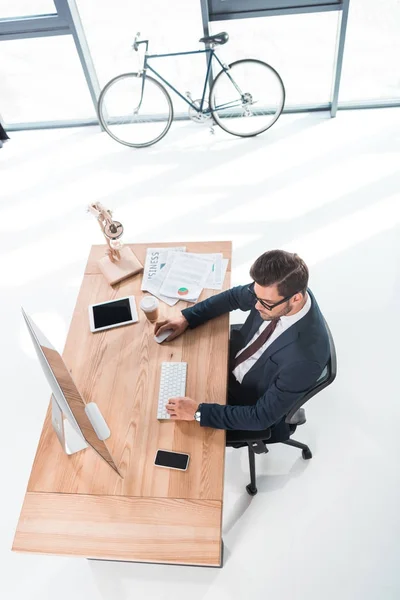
(77, 505)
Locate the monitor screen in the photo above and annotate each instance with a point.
(112, 313)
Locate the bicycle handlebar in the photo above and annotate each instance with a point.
(135, 45)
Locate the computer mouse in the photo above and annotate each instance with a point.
(162, 336)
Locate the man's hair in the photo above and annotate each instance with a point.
(288, 271)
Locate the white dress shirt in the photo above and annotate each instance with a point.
(283, 324)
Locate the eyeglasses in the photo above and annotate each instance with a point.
(264, 304)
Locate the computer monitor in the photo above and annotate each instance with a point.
(71, 420)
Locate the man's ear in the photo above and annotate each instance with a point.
(298, 297)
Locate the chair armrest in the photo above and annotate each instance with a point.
(299, 417)
(239, 436)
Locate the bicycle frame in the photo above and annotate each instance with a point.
(212, 54)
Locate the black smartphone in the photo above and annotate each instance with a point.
(171, 460)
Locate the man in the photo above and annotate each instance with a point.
(276, 356)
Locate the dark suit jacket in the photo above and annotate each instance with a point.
(286, 370)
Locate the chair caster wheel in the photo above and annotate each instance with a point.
(307, 454)
(250, 490)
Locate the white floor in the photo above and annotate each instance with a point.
(327, 189)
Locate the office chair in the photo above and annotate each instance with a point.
(257, 441)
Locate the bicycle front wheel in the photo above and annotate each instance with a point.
(248, 98)
(135, 110)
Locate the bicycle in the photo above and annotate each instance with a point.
(246, 98)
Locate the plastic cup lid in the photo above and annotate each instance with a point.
(149, 303)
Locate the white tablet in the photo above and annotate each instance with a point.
(113, 313)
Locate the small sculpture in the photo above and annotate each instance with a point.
(120, 262)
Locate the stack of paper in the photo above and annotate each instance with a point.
(186, 277)
(172, 274)
(216, 278)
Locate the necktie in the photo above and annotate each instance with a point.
(256, 345)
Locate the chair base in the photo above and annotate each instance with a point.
(306, 452)
(252, 491)
(251, 488)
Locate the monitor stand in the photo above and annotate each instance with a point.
(71, 442)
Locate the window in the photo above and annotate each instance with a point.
(43, 81)
(300, 47)
(26, 8)
(169, 27)
(372, 49)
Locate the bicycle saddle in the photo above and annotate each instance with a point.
(218, 38)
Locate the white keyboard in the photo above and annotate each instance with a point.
(172, 383)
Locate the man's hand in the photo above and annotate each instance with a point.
(178, 326)
(182, 408)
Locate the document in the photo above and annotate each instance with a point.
(186, 276)
(214, 282)
(215, 279)
(158, 261)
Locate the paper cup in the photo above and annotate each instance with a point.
(149, 306)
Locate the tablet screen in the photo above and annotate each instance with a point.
(112, 313)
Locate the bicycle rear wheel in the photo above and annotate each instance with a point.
(248, 98)
(132, 118)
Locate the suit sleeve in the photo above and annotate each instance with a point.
(292, 383)
(237, 297)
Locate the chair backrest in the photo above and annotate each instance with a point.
(327, 376)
